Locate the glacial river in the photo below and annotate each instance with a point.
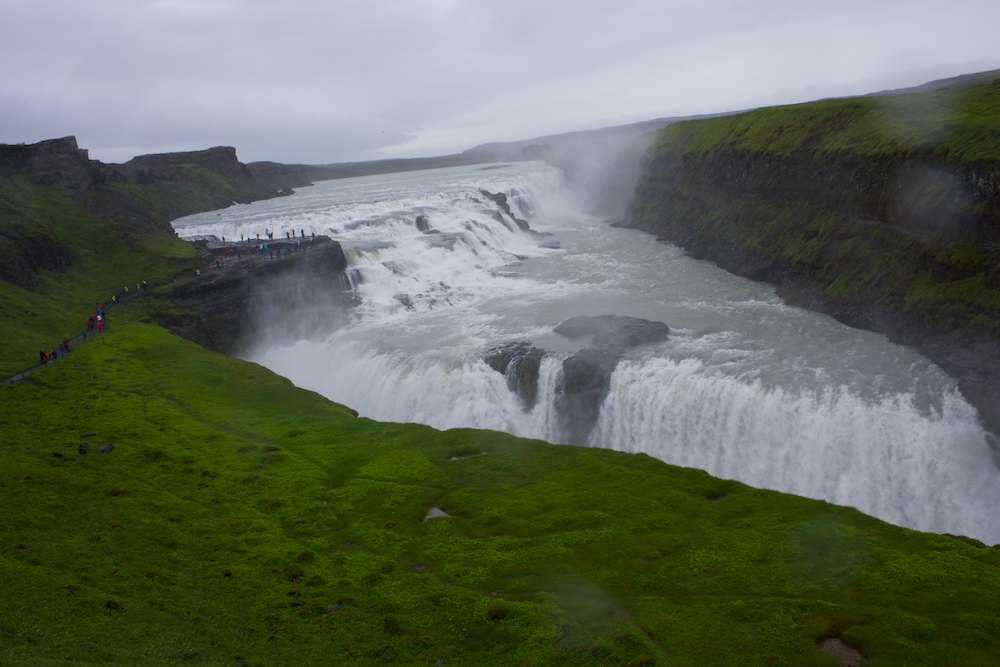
(745, 387)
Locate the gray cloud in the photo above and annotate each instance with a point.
(322, 81)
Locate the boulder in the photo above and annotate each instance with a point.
(585, 381)
(587, 374)
(519, 363)
(614, 332)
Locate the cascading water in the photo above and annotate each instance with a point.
(745, 387)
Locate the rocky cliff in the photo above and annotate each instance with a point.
(43, 182)
(285, 293)
(883, 211)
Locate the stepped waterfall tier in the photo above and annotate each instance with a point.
(465, 279)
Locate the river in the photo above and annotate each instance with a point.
(745, 387)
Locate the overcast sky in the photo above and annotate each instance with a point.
(319, 81)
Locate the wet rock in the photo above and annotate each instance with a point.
(586, 377)
(405, 300)
(587, 374)
(423, 224)
(500, 199)
(519, 363)
(614, 332)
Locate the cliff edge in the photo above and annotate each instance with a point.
(883, 211)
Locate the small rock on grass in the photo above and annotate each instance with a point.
(436, 513)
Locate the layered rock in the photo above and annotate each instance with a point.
(865, 209)
(287, 296)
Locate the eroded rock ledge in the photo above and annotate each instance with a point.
(287, 292)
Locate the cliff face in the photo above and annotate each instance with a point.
(252, 295)
(48, 188)
(882, 211)
(56, 162)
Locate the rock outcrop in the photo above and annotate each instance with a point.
(505, 213)
(252, 294)
(586, 375)
(55, 162)
(519, 363)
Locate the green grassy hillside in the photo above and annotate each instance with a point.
(59, 259)
(239, 516)
(957, 125)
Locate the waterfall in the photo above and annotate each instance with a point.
(448, 264)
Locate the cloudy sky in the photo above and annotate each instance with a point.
(319, 81)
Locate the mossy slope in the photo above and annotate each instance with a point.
(235, 509)
(887, 203)
(58, 259)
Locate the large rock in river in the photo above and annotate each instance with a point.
(519, 363)
(587, 374)
(614, 332)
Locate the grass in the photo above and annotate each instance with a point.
(53, 303)
(955, 125)
(240, 516)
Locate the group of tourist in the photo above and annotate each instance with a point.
(264, 247)
(96, 322)
(47, 355)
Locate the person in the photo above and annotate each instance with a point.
(41, 357)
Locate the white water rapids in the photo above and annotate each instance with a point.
(745, 387)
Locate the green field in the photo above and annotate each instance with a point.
(957, 125)
(240, 516)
